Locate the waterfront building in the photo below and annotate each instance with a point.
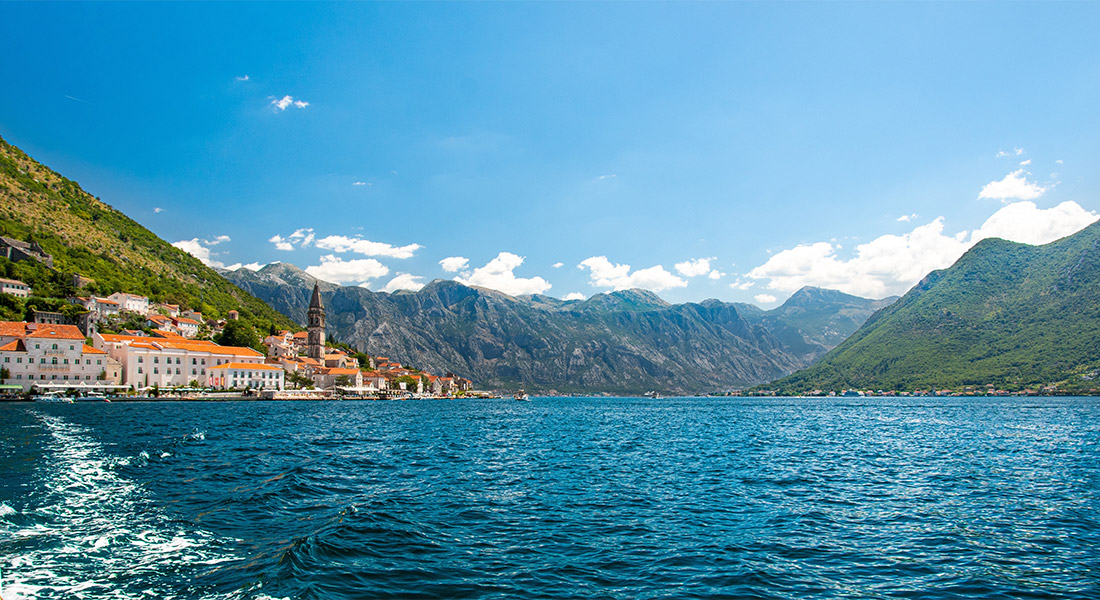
(52, 354)
(235, 375)
(171, 360)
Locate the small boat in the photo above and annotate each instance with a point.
(52, 397)
(521, 396)
(93, 397)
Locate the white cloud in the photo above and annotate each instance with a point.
(158, 210)
(1026, 223)
(573, 296)
(498, 275)
(250, 266)
(360, 183)
(281, 243)
(200, 249)
(608, 176)
(604, 273)
(337, 270)
(404, 281)
(302, 236)
(907, 218)
(242, 78)
(281, 104)
(765, 298)
(558, 265)
(1014, 186)
(1024, 163)
(742, 285)
(891, 264)
(341, 244)
(453, 264)
(715, 274)
(695, 267)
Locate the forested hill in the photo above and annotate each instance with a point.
(90, 238)
(1007, 314)
(627, 342)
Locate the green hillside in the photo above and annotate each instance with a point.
(89, 238)
(1008, 314)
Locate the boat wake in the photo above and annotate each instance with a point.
(92, 533)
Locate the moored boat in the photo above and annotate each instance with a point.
(521, 396)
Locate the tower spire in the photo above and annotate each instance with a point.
(315, 326)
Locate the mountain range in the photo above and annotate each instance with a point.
(1005, 314)
(621, 342)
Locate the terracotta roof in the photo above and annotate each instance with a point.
(181, 343)
(12, 281)
(186, 321)
(106, 301)
(14, 346)
(57, 332)
(339, 371)
(254, 367)
(90, 350)
(10, 328)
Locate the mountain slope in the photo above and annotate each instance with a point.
(621, 342)
(88, 237)
(1007, 314)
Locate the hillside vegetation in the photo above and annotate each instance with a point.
(1007, 314)
(88, 237)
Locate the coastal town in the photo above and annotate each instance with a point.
(172, 355)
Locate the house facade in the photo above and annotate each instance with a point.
(49, 353)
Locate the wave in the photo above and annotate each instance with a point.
(90, 532)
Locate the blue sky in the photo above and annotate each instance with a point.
(702, 150)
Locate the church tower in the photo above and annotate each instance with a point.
(316, 326)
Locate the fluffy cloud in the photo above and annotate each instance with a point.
(695, 267)
(158, 210)
(558, 265)
(303, 237)
(604, 273)
(281, 243)
(339, 271)
(403, 281)
(200, 249)
(341, 244)
(454, 264)
(907, 218)
(498, 275)
(1014, 186)
(764, 298)
(891, 264)
(573, 296)
(281, 104)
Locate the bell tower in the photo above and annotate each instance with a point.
(315, 326)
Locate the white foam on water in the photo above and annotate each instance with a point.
(96, 535)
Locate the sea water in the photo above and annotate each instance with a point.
(554, 498)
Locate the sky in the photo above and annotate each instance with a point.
(729, 150)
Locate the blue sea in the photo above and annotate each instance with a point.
(554, 498)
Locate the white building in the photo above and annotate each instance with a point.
(130, 302)
(171, 361)
(245, 375)
(15, 288)
(48, 353)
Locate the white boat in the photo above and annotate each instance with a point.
(521, 396)
(52, 397)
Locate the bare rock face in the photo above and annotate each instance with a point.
(627, 342)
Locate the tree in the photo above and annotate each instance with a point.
(240, 333)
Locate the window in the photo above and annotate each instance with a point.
(37, 347)
(177, 370)
(66, 361)
(71, 347)
(99, 361)
(53, 361)
(139, 370)
(155, 371)
(7, 359)
(194, 361)
(193, 371)
(177, 360)
(54, 347)
(66, 377)
(156, 360)
(140, 360)
(87, 361)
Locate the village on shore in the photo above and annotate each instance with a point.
(56, 354)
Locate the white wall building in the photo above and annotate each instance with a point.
(48, 353)
(130, 302)
(172, 361)
(245, 375)
(15, 288)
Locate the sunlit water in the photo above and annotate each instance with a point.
(554, 498)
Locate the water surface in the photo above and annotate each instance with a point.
(555, 498)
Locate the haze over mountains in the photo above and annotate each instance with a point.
(621, 342)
